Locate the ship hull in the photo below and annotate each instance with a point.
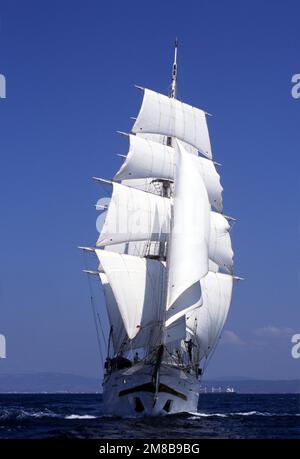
(132, 391)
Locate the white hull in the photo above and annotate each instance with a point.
(131, 391)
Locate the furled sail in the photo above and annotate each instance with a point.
(160, 114)
(137, 286)
(134, 215)
(146, 159)
(189, 238)
(206, 323)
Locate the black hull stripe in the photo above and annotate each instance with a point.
(149, 387)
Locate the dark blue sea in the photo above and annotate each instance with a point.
(80, 416)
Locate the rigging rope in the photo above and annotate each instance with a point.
(94, 312)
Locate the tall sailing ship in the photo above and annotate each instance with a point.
(165, 260)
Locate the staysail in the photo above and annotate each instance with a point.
(189, 239)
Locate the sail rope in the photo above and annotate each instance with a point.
(101, 329)
(97, 323)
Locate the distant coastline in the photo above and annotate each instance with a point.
(69, 383)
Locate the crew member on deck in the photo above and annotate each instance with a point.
(107, 365)
(190, 346)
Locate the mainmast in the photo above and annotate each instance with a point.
(172, 95)
(166, 192)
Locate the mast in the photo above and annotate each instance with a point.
(174, 73)
(172, 95)
(173, 88)
(166, 191)
(163, 246)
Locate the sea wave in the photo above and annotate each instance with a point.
(207, 415)
(23, 414)
(241, 413)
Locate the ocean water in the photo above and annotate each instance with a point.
(218, 416)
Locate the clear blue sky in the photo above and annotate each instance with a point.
(70, 69)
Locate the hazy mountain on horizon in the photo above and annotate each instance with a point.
(48, 382)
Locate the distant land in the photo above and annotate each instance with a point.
(253, 386)
(48, 382)
(68, 383)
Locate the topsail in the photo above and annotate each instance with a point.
(160, 114)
